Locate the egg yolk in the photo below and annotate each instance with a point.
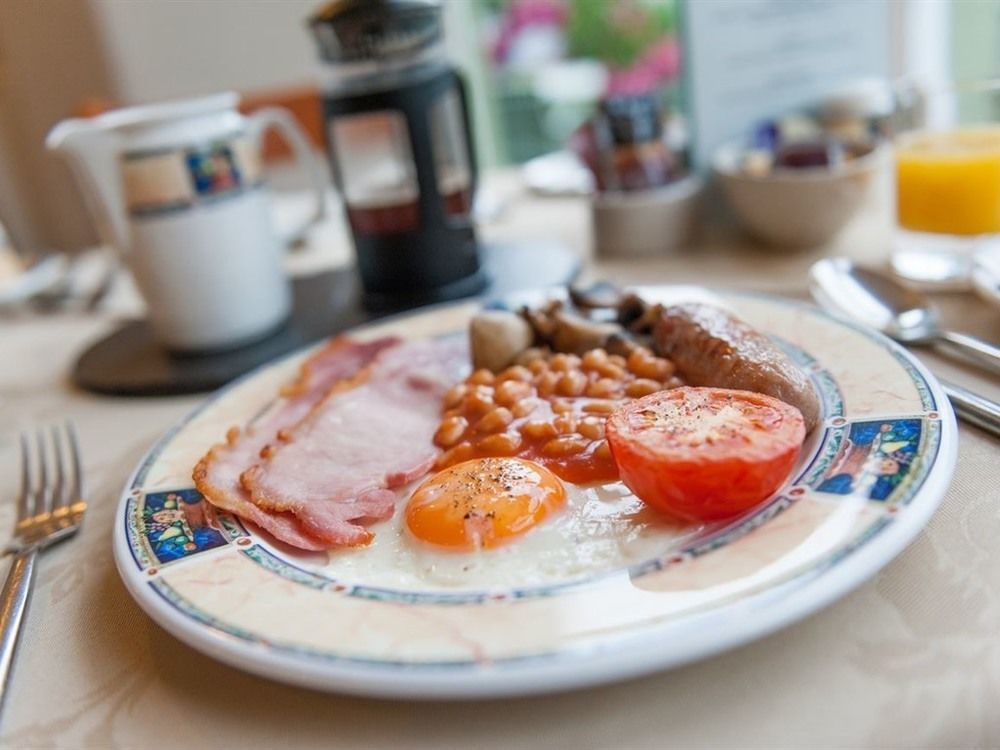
(481, 503)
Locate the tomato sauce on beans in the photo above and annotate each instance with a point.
(551, 411)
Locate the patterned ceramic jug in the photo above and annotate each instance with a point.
(177, 189)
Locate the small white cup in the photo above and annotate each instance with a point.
(647, 223)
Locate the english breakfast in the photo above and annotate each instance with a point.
(561, 438)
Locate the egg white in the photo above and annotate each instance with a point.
(601, 528)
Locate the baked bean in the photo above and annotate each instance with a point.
(539, 429)
(559, 363)
(636, 357)
(594, 359)
(524, 407)
(565, 445)
(572, 383)
(478, 401)
(600, 406)
(565, 424)
(601, 450)
(579, 391)
(591, 427)
(642, 387)
(461, 452)
(481, 377)
(562, 406)
(503, 443)
(604, 388)
(516, 373)
(450, 431)
(538, 366)
(546, 383)
(644, 364)
(611, 370)
(455, 395)
(495, 420)
(564, 362)
(510, 392)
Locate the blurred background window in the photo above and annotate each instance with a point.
(975, 42)
(551, 61)
(536, 68)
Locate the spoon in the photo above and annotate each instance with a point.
(865, 295)
(879, 301)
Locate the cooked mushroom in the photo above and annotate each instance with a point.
(542, 321)
(497, 337)
(598, 313)
(644, 323)
(631, 307)
(621, 343)
(577, 335)
(601, 295)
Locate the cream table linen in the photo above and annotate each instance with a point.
(910, 659)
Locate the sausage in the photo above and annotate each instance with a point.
(713, 348)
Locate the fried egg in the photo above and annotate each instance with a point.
(481, 503)
(492, 523)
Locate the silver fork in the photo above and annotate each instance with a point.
(50, 508)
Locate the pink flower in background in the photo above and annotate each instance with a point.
(631, 81)
(658, 64)
(524, 14)
(664, 58)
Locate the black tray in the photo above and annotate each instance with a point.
(129, 362)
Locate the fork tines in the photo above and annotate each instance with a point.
(50, 505)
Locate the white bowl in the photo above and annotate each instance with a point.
(796, 208)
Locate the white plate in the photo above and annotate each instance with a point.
(868, 481)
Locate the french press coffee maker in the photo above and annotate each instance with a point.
(397, 125)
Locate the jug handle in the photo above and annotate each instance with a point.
(281, 120)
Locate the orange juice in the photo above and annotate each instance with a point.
(948, 182)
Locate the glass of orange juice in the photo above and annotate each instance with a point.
(948, 185)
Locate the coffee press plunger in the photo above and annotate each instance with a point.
(400, 144)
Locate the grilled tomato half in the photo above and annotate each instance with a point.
(705, 454)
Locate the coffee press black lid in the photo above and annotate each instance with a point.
(633, 118)
(361, 30)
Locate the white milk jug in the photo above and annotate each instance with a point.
(177, 189)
